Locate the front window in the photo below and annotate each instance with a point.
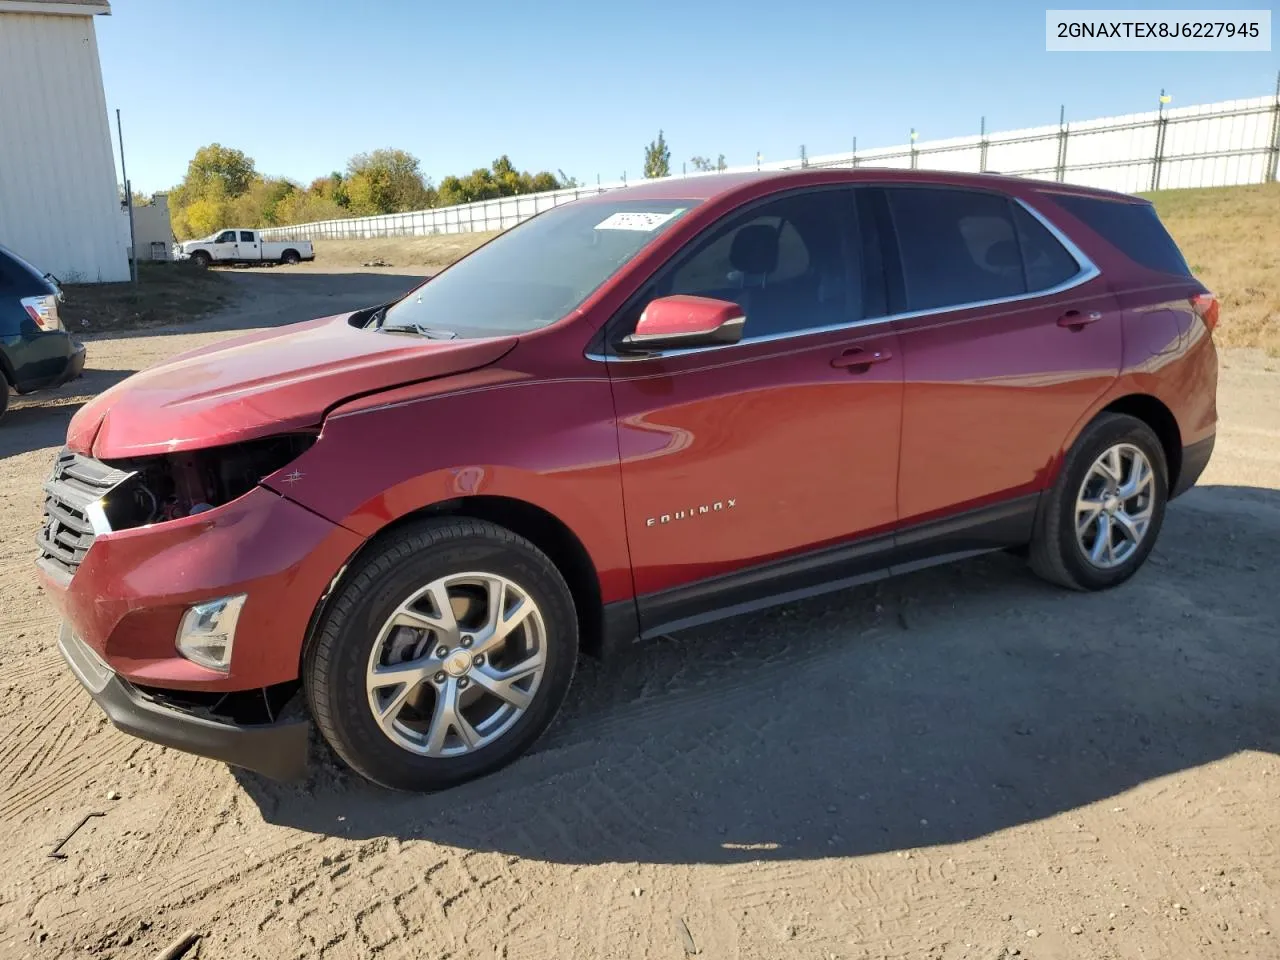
(537, 272)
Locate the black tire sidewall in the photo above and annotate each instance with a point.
(1098, 438)
(352, 628)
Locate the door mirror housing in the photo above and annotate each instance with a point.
(672, 323)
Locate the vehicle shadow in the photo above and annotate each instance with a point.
(936, 708)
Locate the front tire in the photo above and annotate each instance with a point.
(446, 651)
(201, 259)
(1098, 523)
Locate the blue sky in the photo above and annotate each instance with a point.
(300, 86)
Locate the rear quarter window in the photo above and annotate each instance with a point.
(1132, 228)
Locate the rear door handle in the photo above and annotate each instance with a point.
(860, 360)
(1075, 320)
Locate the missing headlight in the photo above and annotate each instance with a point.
(176, 485)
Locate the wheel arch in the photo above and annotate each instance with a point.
(1152, 411)
(537, 525)
(284, 254)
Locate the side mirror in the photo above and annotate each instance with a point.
(670, 323)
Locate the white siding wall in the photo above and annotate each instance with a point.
(58, 203)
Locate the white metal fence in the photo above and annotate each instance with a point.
(1218, 144)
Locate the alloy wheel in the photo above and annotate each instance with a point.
(1115, 505)
(457, 664)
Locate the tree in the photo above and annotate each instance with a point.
(657, 158)
(222, 189)
(216, 163)
(309, 206)
(258, 205)
(200, 217)
(501, 179)
(333, 188)
(720, 164)
(700, 164)
(386, 181)
(216, 177)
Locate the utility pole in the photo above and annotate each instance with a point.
(128, 195)
(1060, 169)
(1161, 127)
(1273, 162)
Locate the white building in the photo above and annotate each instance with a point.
(59, 206)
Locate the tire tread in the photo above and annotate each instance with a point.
(430, 535)
(1047, 558)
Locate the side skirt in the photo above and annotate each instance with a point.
(935, 542)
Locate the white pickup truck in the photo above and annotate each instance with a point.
(245, 246)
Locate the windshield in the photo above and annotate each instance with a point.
(537, 272)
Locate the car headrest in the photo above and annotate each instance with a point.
(755, 249)
(1003, 255)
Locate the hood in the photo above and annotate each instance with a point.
(263, 383)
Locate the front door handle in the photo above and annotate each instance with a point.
(860, 360)
(1075, 320)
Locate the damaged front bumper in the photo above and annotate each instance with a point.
(277, 750)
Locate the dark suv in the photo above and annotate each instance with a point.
(628, 415)
(35, 352)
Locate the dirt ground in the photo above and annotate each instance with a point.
(961, 763)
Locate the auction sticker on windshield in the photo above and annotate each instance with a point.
(644, 222)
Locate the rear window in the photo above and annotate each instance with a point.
(1132, 228)
(18, 275)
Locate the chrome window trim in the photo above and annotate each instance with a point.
(1088, 270)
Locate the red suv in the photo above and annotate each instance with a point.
(631, 414)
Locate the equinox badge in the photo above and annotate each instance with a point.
(717, 507)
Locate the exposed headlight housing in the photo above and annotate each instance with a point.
(175, 485)
(208, 631)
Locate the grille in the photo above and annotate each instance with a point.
(67, 531)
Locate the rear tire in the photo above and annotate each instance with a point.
(445, 652)
(291, 258)
(5, 390)
(1098, 523)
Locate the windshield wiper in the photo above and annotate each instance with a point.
(420, 330)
